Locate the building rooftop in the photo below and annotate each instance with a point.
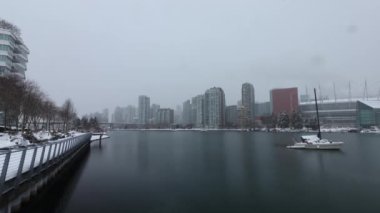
(8, 26)
(343, 100)
(372, 103)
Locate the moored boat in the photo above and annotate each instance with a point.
(316, 141)
(313, 142)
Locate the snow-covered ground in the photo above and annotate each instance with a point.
(7, 140)
(75, 133)
(43, 135)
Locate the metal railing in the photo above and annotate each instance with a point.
(21, 164)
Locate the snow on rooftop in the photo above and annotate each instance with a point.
(343, 100)
(372, 103)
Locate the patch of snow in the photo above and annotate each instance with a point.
(310, 138)
(7, 140)
(43, 135)
(74, 133)
(97, 137)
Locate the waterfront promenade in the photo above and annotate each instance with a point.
(22, 165)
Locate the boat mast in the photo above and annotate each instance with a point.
(316, 108)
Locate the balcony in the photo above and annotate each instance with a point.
(5, 42)
(24, 48)
(20, 58)
(21, 74)
(5, 64)
(7, 53)
(18, 40)
(19, 67)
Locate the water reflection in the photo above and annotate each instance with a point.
(142, 153)
(55, 196)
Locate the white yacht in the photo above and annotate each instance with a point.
(315, 141)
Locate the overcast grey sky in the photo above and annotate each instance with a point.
(106, 53)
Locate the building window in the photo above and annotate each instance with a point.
(5, 47)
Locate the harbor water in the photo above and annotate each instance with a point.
(217, 171)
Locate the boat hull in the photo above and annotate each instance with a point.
(323, 146)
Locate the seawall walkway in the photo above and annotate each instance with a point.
(18, 166)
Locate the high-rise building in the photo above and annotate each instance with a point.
(262, 109)
(214, 108)
(165, 117)
(231, 116)
(284, 100)
(248, 103)
(199, 111)
(186, 113)
(178, 115)
(193, 117)
(243, 117)
(144, 109)
(131, 114)
(118, 115)
(154, 113)
(13, 52)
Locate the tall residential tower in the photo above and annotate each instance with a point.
(214, 108)
(13, 52)
(144, 109)
(248, 104)
(199, 111)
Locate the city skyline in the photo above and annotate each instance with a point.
(300, 93)
(197, 113)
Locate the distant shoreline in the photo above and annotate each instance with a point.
(245, 130)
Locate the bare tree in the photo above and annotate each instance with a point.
(23, 102)
(49, 112)
(11, 95)
(67, 113)
(32, 105)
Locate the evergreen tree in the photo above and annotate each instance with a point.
(296, 121)
(283, 120)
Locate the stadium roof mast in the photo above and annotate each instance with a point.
(349, 91)
(365, 96)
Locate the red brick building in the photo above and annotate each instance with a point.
(284, 100)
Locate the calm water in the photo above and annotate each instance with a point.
(164, 171)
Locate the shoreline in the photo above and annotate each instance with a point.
(247, 130)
